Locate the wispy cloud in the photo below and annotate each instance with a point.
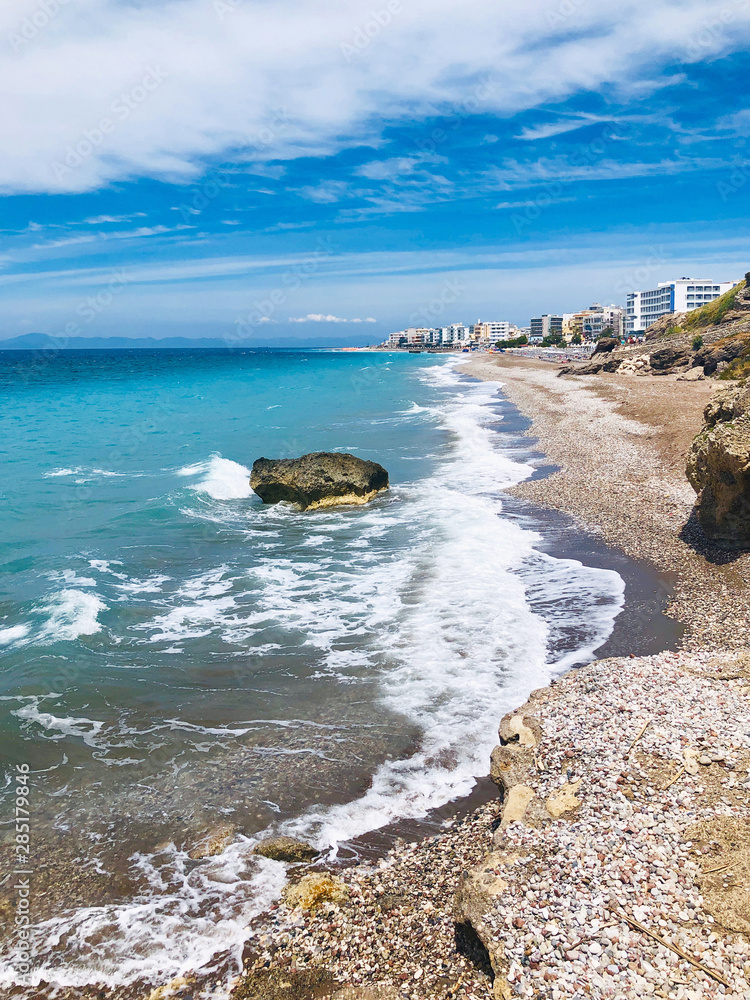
(328, 318)
(100, 220)
(223, 95)
(122, 234)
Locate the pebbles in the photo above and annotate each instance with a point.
(639, 855)
(551, 898)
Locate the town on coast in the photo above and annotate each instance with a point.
(578, 330)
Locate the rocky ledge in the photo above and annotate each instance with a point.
(319, 479)
(718, 467)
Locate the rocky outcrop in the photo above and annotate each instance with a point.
(662, 326)
(721, 352)
(320, 479)
(718, 467)
(668, 358)
(285, 849)
(606, 344)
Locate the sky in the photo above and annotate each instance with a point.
(260, 169)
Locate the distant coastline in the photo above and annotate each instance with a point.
(44, 342)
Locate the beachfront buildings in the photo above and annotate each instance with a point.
(680, 295)
(591, 323)
(454, 335)
(545, 326)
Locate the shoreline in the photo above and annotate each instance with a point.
(478, 917)
(619, 444)
(420, 921)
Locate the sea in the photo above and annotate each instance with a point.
(180, 662)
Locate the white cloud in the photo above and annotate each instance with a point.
(109, 90)
(100, 220)
(122, 234)
(321, 318)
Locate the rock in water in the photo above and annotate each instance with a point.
(718, 467)
(320, 479)
(285, 849)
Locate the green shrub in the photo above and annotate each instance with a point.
(711, 314)
(697, 342)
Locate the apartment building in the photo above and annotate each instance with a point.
(592, 322)
(680, 295)
(490, 332)
(543, 327)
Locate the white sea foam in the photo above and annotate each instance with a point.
(70, 577)
(84, 729)
(71, 613)
(61, 472)
(86, 475)
(463, 642)
(190, 915)
(151, 585)
(221, 478)
(12, 634)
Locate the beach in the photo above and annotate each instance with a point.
(615, 860)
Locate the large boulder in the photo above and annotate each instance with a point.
(320, 479)
(666, 359)
(606, 344)
(718, 467)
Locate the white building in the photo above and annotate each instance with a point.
(681, 295)
(489, 332)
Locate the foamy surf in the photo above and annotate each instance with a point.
(432, 598)
(220, 478)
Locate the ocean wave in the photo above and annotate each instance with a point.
(188, 916)
(221, 478)
(72, 613)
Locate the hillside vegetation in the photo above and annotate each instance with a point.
(713, 313)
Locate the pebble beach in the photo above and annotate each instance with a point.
(615, 861)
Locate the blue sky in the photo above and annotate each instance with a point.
(259, 169)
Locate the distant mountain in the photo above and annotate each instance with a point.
(43, 342)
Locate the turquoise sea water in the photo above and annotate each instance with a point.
(177, 659)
